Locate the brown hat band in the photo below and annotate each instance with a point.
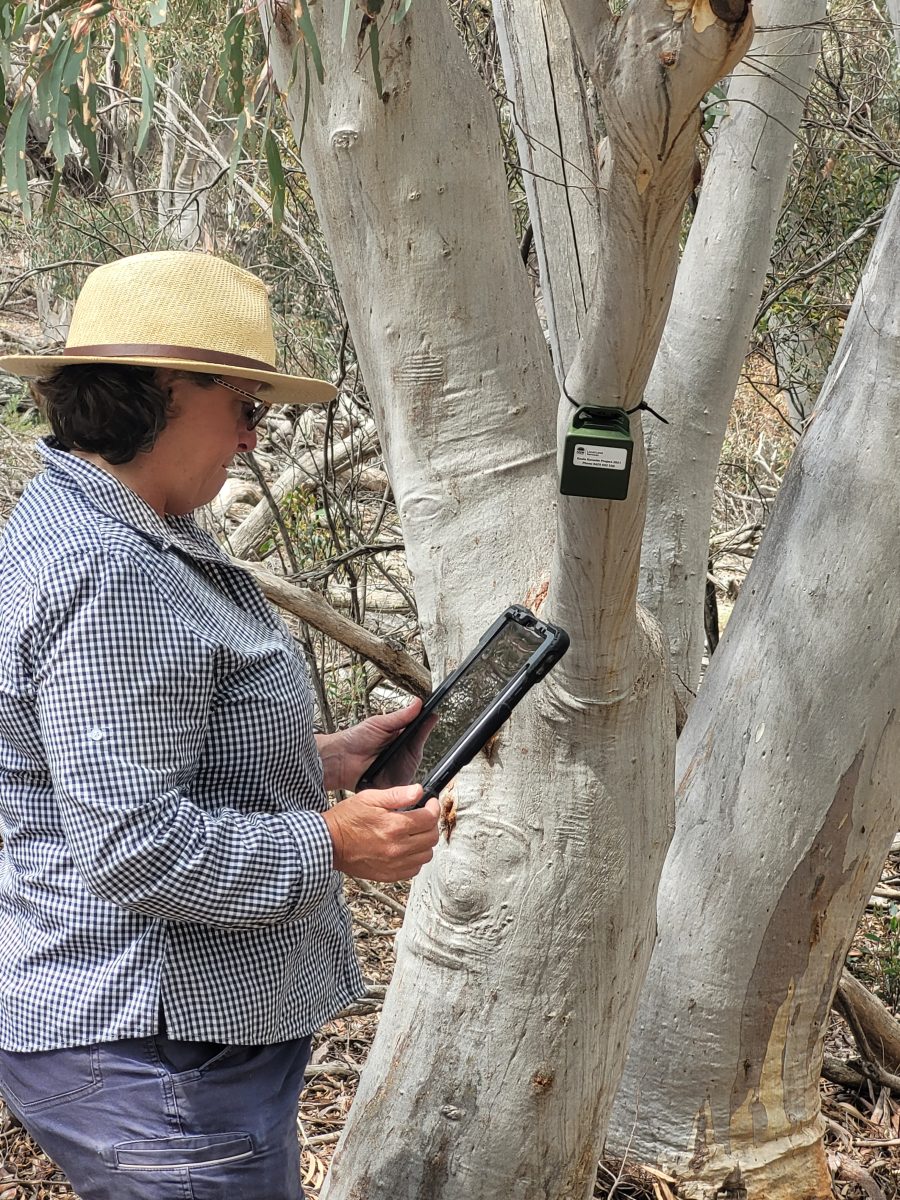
(186, 353)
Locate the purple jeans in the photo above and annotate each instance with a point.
(173, 1120)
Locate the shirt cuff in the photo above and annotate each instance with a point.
(316, 866)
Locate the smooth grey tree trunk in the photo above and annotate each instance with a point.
(719, 285)
(557, 153)
(787, 799)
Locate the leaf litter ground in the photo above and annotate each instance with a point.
(863, 1137)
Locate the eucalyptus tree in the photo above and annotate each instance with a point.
(786, 799)
(461, 946)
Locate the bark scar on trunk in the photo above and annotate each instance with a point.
(448, 812)
(732, 11)
(784, 956)
(536, 595)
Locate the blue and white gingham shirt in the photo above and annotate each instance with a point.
(160, 788)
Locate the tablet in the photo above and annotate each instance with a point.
(471, 704)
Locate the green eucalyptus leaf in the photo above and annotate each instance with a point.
(60, 141)
(309, 36)
(51, 67)
(83, 124)
(402, 9)
(58, 83)
(62, 37)
(306, 83)
(276, 177)
(119, 49)
(14, 151)
(375, 51)
(240, 130)
(54, 190)
(19, 21)
(148, 90)
(158, 12)
(231, 64)
(71, 67)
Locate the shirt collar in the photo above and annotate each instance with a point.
(119, 502)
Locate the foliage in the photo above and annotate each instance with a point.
(845, 165)
(167, 133)
(306, 522)
(68, 69)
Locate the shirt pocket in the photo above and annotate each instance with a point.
(43, 1079)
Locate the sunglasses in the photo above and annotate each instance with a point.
(255, 409)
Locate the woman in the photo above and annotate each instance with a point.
(171, 924)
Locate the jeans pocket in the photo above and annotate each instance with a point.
(45, 1078)
(189, 1058)
(171, 1153)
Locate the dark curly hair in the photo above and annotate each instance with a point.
(111, 409)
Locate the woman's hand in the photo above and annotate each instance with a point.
(346, 755)
(375, 839)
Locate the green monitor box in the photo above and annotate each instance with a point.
(597, 454)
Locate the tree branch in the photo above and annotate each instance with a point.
(591, 23)
(881, 1032)
(305, 472)
(401, 668)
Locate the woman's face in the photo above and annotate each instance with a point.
(207, 427)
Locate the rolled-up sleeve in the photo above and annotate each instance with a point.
(124, 689)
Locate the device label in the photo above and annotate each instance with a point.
(608, 458)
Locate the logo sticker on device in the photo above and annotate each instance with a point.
(608, 458)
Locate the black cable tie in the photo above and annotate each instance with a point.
(569, 398)
(646, 408)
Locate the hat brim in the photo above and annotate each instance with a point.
(281, 389)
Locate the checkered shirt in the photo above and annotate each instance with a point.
(160, 789)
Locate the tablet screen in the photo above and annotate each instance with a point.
(486, 676)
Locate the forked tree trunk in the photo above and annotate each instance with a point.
(717, 293)
(526, 941)
(787, 800)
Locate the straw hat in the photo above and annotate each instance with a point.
(179, 309)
